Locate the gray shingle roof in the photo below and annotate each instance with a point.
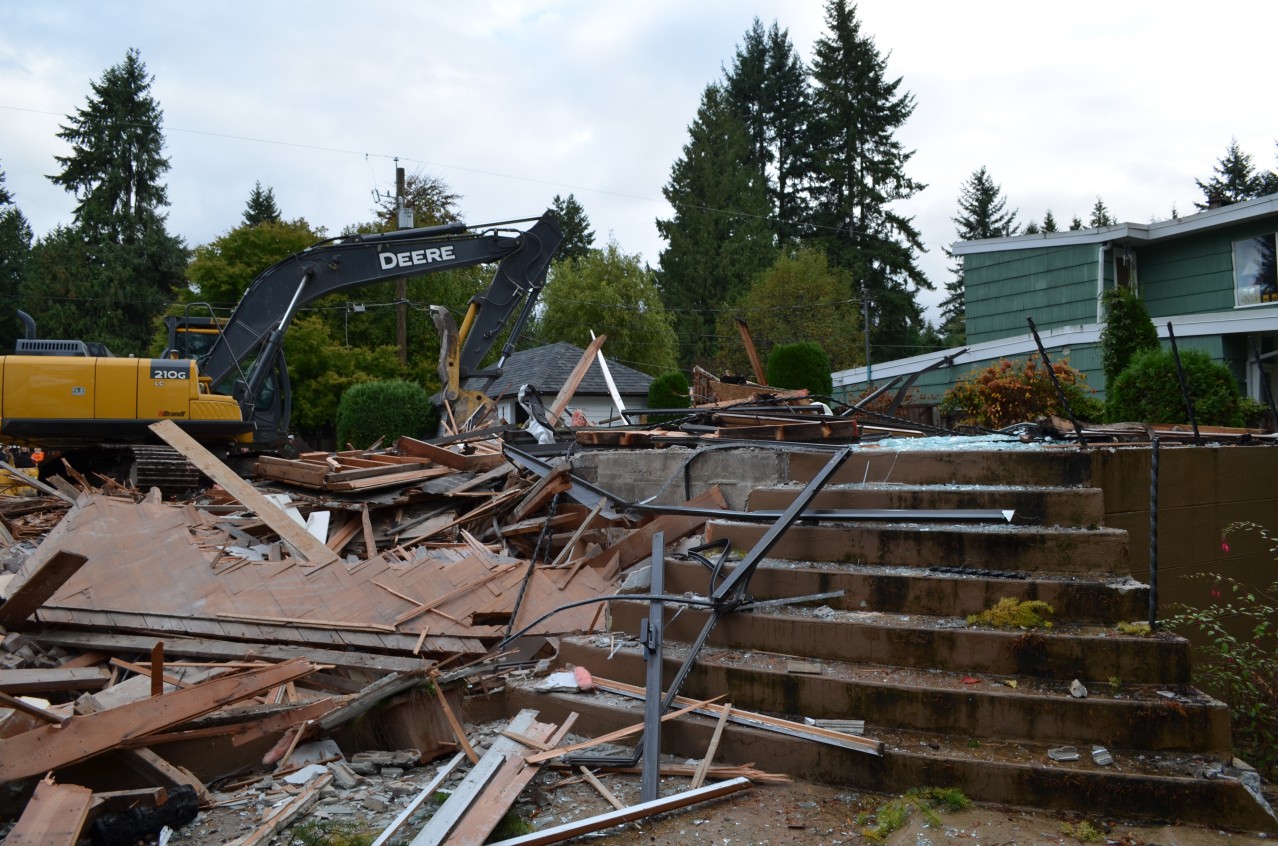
(548, 368)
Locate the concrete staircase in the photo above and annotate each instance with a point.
(955, 705)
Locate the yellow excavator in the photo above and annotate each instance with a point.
(226, 383)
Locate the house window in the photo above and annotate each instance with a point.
(1125, 269)
(1255, 274)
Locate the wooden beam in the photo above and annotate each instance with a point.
(18, 682)
(53, 817)
(700, 775)
(37, 751)
(614, 735)
(27, 597)
(574, 379)
(747, 340)
(270, 513)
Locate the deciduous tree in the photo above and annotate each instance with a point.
(613, 294)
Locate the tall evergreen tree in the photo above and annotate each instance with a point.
(15, 255)
(718, 237)
(579, 238)
(261, 207)
(1101, 215)
(1049, 222)
(1233, 180)
(116, 162)
(1075, 224)
(767, 87)
(859, 172)
(982, 214)
(108, 277)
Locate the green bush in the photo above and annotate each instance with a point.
(1148, 391)
(1006, 393)
(372, 410)
(669, 390)
(1127, 331)
(801, 365)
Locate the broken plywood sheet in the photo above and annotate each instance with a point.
(146, 571)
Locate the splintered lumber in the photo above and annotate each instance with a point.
(477, 462)
(281, 817)
(427, 792)
(39, 585)
(756, 720)
(37, 751)
(560, 751)
(560, 833)
(25, 707)
(271, 514)
(574, 379)
(24, 479)
(54, 816)
(700, 775)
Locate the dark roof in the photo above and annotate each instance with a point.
(548, 368)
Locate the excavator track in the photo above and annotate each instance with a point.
(164, 468)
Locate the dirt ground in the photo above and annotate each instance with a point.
(786, 814)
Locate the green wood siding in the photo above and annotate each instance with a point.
(1055, 286)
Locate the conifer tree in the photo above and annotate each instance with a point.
(579, 238)
(1101, 215)
(15, 254)
(1049, 222)
(859, 172)
(767, 87)
(108, 276)
(982, 214)
(261, 207)
(1234, 179)
(718, 236)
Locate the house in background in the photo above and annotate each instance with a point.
(547, 369)
(1211, 275)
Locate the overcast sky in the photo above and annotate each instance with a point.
(514, 102)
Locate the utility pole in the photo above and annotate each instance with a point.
(403, 220)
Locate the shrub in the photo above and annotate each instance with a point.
(1006, 393)
(669, 390)
(1127, 331)
(1148, 391)
(1240, 625)
(386, 410)
(801, 365)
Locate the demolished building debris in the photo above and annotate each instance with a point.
(324, 636)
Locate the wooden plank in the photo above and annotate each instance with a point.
(700, 775)
(18, 682)
(466, 588)
(297, 536)
(281, 817)
(603, 789)
(475, 463)
(7, 701)
(747, 340)
(370, 542)
(159, 771)
(35, 483)
(574, 379)
(389, 479)
(614, 735)
(53, 817)
(427, 792)
(26, 597)
(225, 650)
(560, 833)
(459, 731)
(37, 751)
(437, 829)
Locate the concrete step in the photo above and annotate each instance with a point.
(1128, 717)
(1076, 552)
(1029, 465)
(1149, 786)
(1053, 506)
(908, 590)
(1091, 654)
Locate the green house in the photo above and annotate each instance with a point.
(1211, 276)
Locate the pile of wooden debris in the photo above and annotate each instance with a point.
(183, 656)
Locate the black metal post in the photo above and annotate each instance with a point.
(1184, 386)
(650, 779)
(1153, 534)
